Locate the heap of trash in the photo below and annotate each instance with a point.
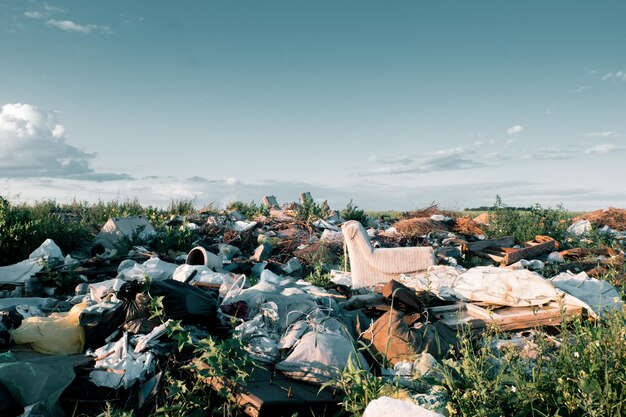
(392, 299)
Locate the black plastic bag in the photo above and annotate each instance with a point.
(9, 407)
(180, 302)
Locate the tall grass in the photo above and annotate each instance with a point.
(582, 372)
(23, 227)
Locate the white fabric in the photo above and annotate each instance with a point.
(438, 279)
(321, 354)
(500, 286)
(392, 407)
(48, 250)
(99, 290)
(242, 226)
(119, 366)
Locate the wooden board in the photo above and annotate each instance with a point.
(267, 394)
(500, 252)
(540, 245)
(513, 318)
(478, 316)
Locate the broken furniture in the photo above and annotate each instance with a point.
(479, 315)
(372, 266)
(502, 252)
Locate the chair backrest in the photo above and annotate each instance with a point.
(355, 232)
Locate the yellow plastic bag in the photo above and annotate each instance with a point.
(57, 334)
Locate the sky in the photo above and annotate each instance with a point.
(392, 104)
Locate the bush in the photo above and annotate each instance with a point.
(524, 225)
(176, 238)
(309, 211)
(181, 207)
(24, 228)
(250, 210)
(352, 212)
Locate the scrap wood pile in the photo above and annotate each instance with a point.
(405, 297)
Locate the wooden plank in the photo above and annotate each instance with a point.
(479, 315)
(496, 257)
(512, 318)
(528, 252)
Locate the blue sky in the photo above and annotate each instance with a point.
(393, 104)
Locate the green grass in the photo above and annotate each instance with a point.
(584, 375)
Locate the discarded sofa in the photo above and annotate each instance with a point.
(372, 266)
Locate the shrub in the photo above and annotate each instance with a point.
(524, 225)
(182, 207)
(250, 210)
(24, 228)
(186, 388)
(309, 211)
(352, 212)
(359, 387)
(176, 238)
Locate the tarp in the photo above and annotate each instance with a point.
(22, 271)
(598, 296)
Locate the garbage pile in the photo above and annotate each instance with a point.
(403, 298)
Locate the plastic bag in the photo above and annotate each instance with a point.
(180, 302)
(57, 334)
(38, 381)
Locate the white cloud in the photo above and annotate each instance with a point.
(619, 76)
(33, 144)
(607, 134)
(514, 129)
(451, 159)
(583, 89)
(70, 26)
(604, 148)
(34, 15)
(552, 154)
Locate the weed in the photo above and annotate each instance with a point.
(187, 388)
(359, 387)
(64, 279)
(177, 238)
(181, 207)
(250, 210)
(319, 277)
(309, 211)
(583, 375)
(112, 411)
(524, 225)
(352, 212)
(24, 228)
